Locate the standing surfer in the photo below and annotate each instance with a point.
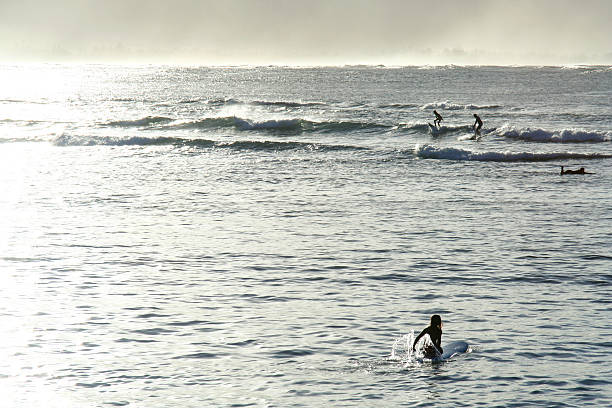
(478, 124)
(437, 119)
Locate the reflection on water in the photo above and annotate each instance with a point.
(175, 259)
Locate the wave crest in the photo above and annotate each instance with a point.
(74, 140)
(273, 124)
(291, 125)
(557, 136)
(450, 153)
(288, 104)
(282, 104)
(253, 145)
(143, 122)
(424, 128)
(454, 106)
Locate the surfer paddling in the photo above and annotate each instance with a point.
(438, 119)
(579, 171)
(477, 125)
(435, 334)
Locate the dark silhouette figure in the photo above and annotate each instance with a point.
(435, 334)
(579, 171)
(438, 119)
(478, 124)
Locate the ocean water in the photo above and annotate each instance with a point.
(274, 236)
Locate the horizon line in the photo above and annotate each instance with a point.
(297, 65)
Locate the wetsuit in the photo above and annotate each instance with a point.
(435, 334)
(478, 122)
(438, 119)
(579, 171)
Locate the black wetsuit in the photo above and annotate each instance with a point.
(579, 171)
(478, 122)
(435, 334)
(438, 119)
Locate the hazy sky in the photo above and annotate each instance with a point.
(308, 32)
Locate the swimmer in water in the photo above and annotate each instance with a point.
(435, 334)
(478, 124)
(438, 119)
(579, 171)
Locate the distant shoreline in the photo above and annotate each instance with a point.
(306, 66)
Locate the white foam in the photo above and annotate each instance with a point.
(450, 153)
(402, 347)
(466, 137)
(454, 106)
(557, 136)
(267, 124)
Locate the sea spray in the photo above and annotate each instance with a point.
(402, 347)
(555, 136)
(455, 106)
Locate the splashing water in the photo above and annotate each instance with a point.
(402, 350)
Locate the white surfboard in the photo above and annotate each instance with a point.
(450, 351)
(454, 348)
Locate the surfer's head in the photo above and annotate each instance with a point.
(436, 320)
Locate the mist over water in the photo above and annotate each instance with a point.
(331, 32)
(274, 237)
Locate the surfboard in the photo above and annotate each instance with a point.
(434, 130)
(450, 351)
(454, 348)
(467, 137)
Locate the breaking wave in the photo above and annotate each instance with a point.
(454, 106)
(295, 125)
(254, 145)
(144, 122)
(73, 140)
(557, 136)
(274, 124)
(288, 104)
(232, 101)
(233, 122)
(220, 103)
(345, 126)
(424, 128)
(450, 153)
(398, 106)
(207, 123)
(415, 127)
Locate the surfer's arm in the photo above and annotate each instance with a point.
(421, 334)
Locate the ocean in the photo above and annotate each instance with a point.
(275, 236)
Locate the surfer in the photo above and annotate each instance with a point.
(478, 124)
(435, 334)
(579, 171)
(437, 119)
